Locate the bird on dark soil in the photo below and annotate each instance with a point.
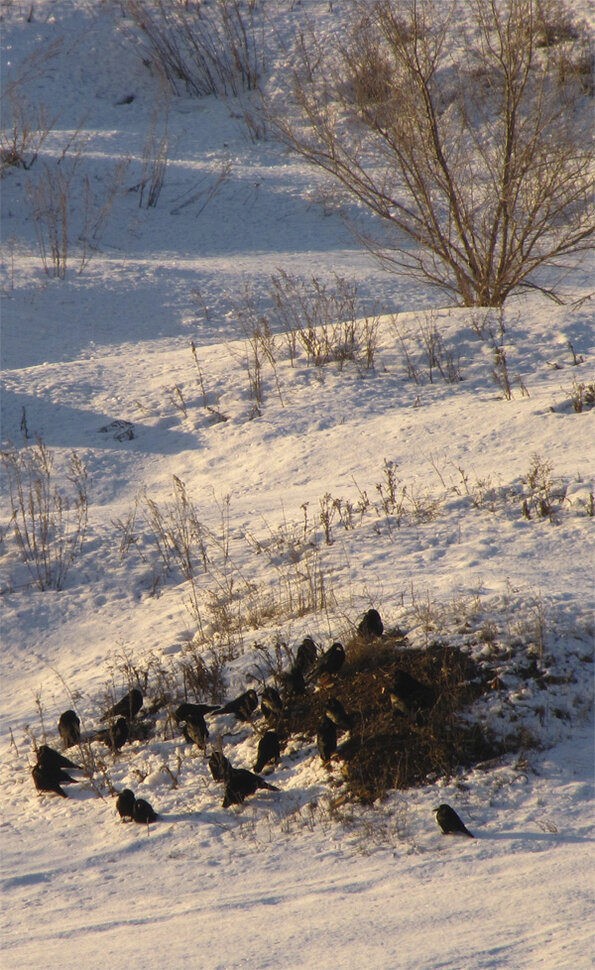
(219, 766)
(293, 683)
(48, 758)
(326, 739)
(125, 804)
(69, 728)
(409, 696)
(114, 736)
(336, 713)
(242, 707)
(306, 655)
(45, 780)
(371, 625)
(329, 663)
(271, 704)
(449, 821)
(143, 812)
(240, 783)
(268, 750)
(128, 706)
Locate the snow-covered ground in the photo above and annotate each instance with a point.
(295, 878)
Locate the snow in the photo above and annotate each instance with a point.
(289, 879)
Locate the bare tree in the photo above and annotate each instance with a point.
(462, 133)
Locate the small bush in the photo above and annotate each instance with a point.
(49, 527)
(386, 750)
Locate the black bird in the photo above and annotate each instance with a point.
(371, 625)
(186, 711)
(306, 655)
(336, 713)
(143, 812)
(409, 696)
(268, 750)
(48, 758)
(127, 707)
(449, 821)
(330, 663)
(219, 766)
(195, 731)
(192, 716)
(69, 728)
(326, 739)
(271, 704)
(293, 682)
(45, 780)
(240, 783)
(242, 707)
(114, 736)
(125, 804)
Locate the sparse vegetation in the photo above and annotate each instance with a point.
(48, 525)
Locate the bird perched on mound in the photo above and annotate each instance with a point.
(242, 707)
(326, 739)
(329, 663)
(114, 736)
(449, 821)
(127, 707)
(409, 696)
(336, 713)
(271, 704)
(305, 655)
(293, 683)
(69, 728)
(142, 812)
(125, 804)
(268, 750)
(371, 625)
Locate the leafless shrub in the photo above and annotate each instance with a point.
(155, 153)
(22, 139)
(201, 49)
(582, 396)
(324, 319)
(490, 181)
(543, 496)
(49, 526)
(425, 354)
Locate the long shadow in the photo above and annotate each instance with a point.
(64, 426)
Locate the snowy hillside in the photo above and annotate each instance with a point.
(432, 462)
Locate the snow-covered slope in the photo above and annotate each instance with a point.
(293, 491)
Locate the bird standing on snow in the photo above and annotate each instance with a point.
(69, 728)
(49, 759)
(142, 812)
(125, 804)
(268, 750)
(326, 739)
(449, 821)
(48, 780)
(240, 783)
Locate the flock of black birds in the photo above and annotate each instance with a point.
(408, 698)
